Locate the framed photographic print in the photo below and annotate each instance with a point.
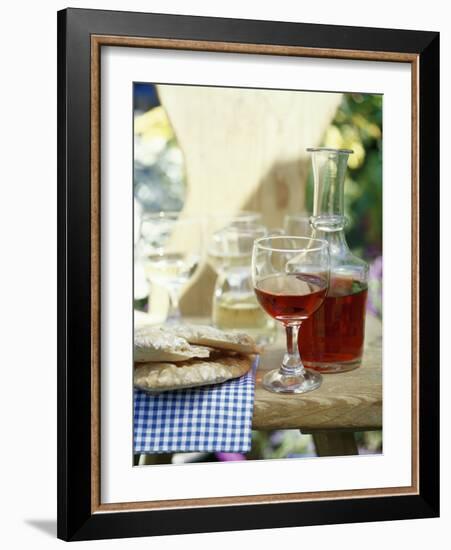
(248, 274)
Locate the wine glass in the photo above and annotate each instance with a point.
(171, 249)
(230, 248)
(242, 219)
(291, 278)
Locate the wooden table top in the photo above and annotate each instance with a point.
(345, 401)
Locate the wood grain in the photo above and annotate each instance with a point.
(257, 499)
(415, 68)
(345, 401)
(95, 276)
(259, 49)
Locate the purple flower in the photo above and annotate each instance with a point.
(229, 457)
(276, 438)
(376, 269)
(375, 287)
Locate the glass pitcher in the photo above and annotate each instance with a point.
(332, 339)
(234, 303)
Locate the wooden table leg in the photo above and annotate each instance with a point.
(155, 458)
(335, 443)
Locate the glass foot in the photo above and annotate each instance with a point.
(277, 382)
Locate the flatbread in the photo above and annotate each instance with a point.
(159, 344)
(204, 335)
(164, 376)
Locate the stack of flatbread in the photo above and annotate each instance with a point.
(186, 356)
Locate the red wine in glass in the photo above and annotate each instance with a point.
(291, 278)
(291, 297)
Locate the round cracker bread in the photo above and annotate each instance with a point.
(164, 376)
(158, 344)
(205, 335)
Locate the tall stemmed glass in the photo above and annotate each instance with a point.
(291, 279)
(171, 249)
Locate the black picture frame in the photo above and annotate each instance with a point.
(76, 519)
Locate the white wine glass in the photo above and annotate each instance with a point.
(171, 251)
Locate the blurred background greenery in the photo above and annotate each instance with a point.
(159, 184)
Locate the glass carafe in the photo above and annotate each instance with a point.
(332, 339)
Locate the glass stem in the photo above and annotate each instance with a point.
(292, 364)
(174, 314)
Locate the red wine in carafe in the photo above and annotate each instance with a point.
(334, 334)
(331, 340)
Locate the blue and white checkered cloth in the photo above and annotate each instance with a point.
(210, 419)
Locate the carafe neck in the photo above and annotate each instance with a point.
(337, 241)
(329, 170)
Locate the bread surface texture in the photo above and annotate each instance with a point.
(159, 344)
(166, 376)
(205, 335)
